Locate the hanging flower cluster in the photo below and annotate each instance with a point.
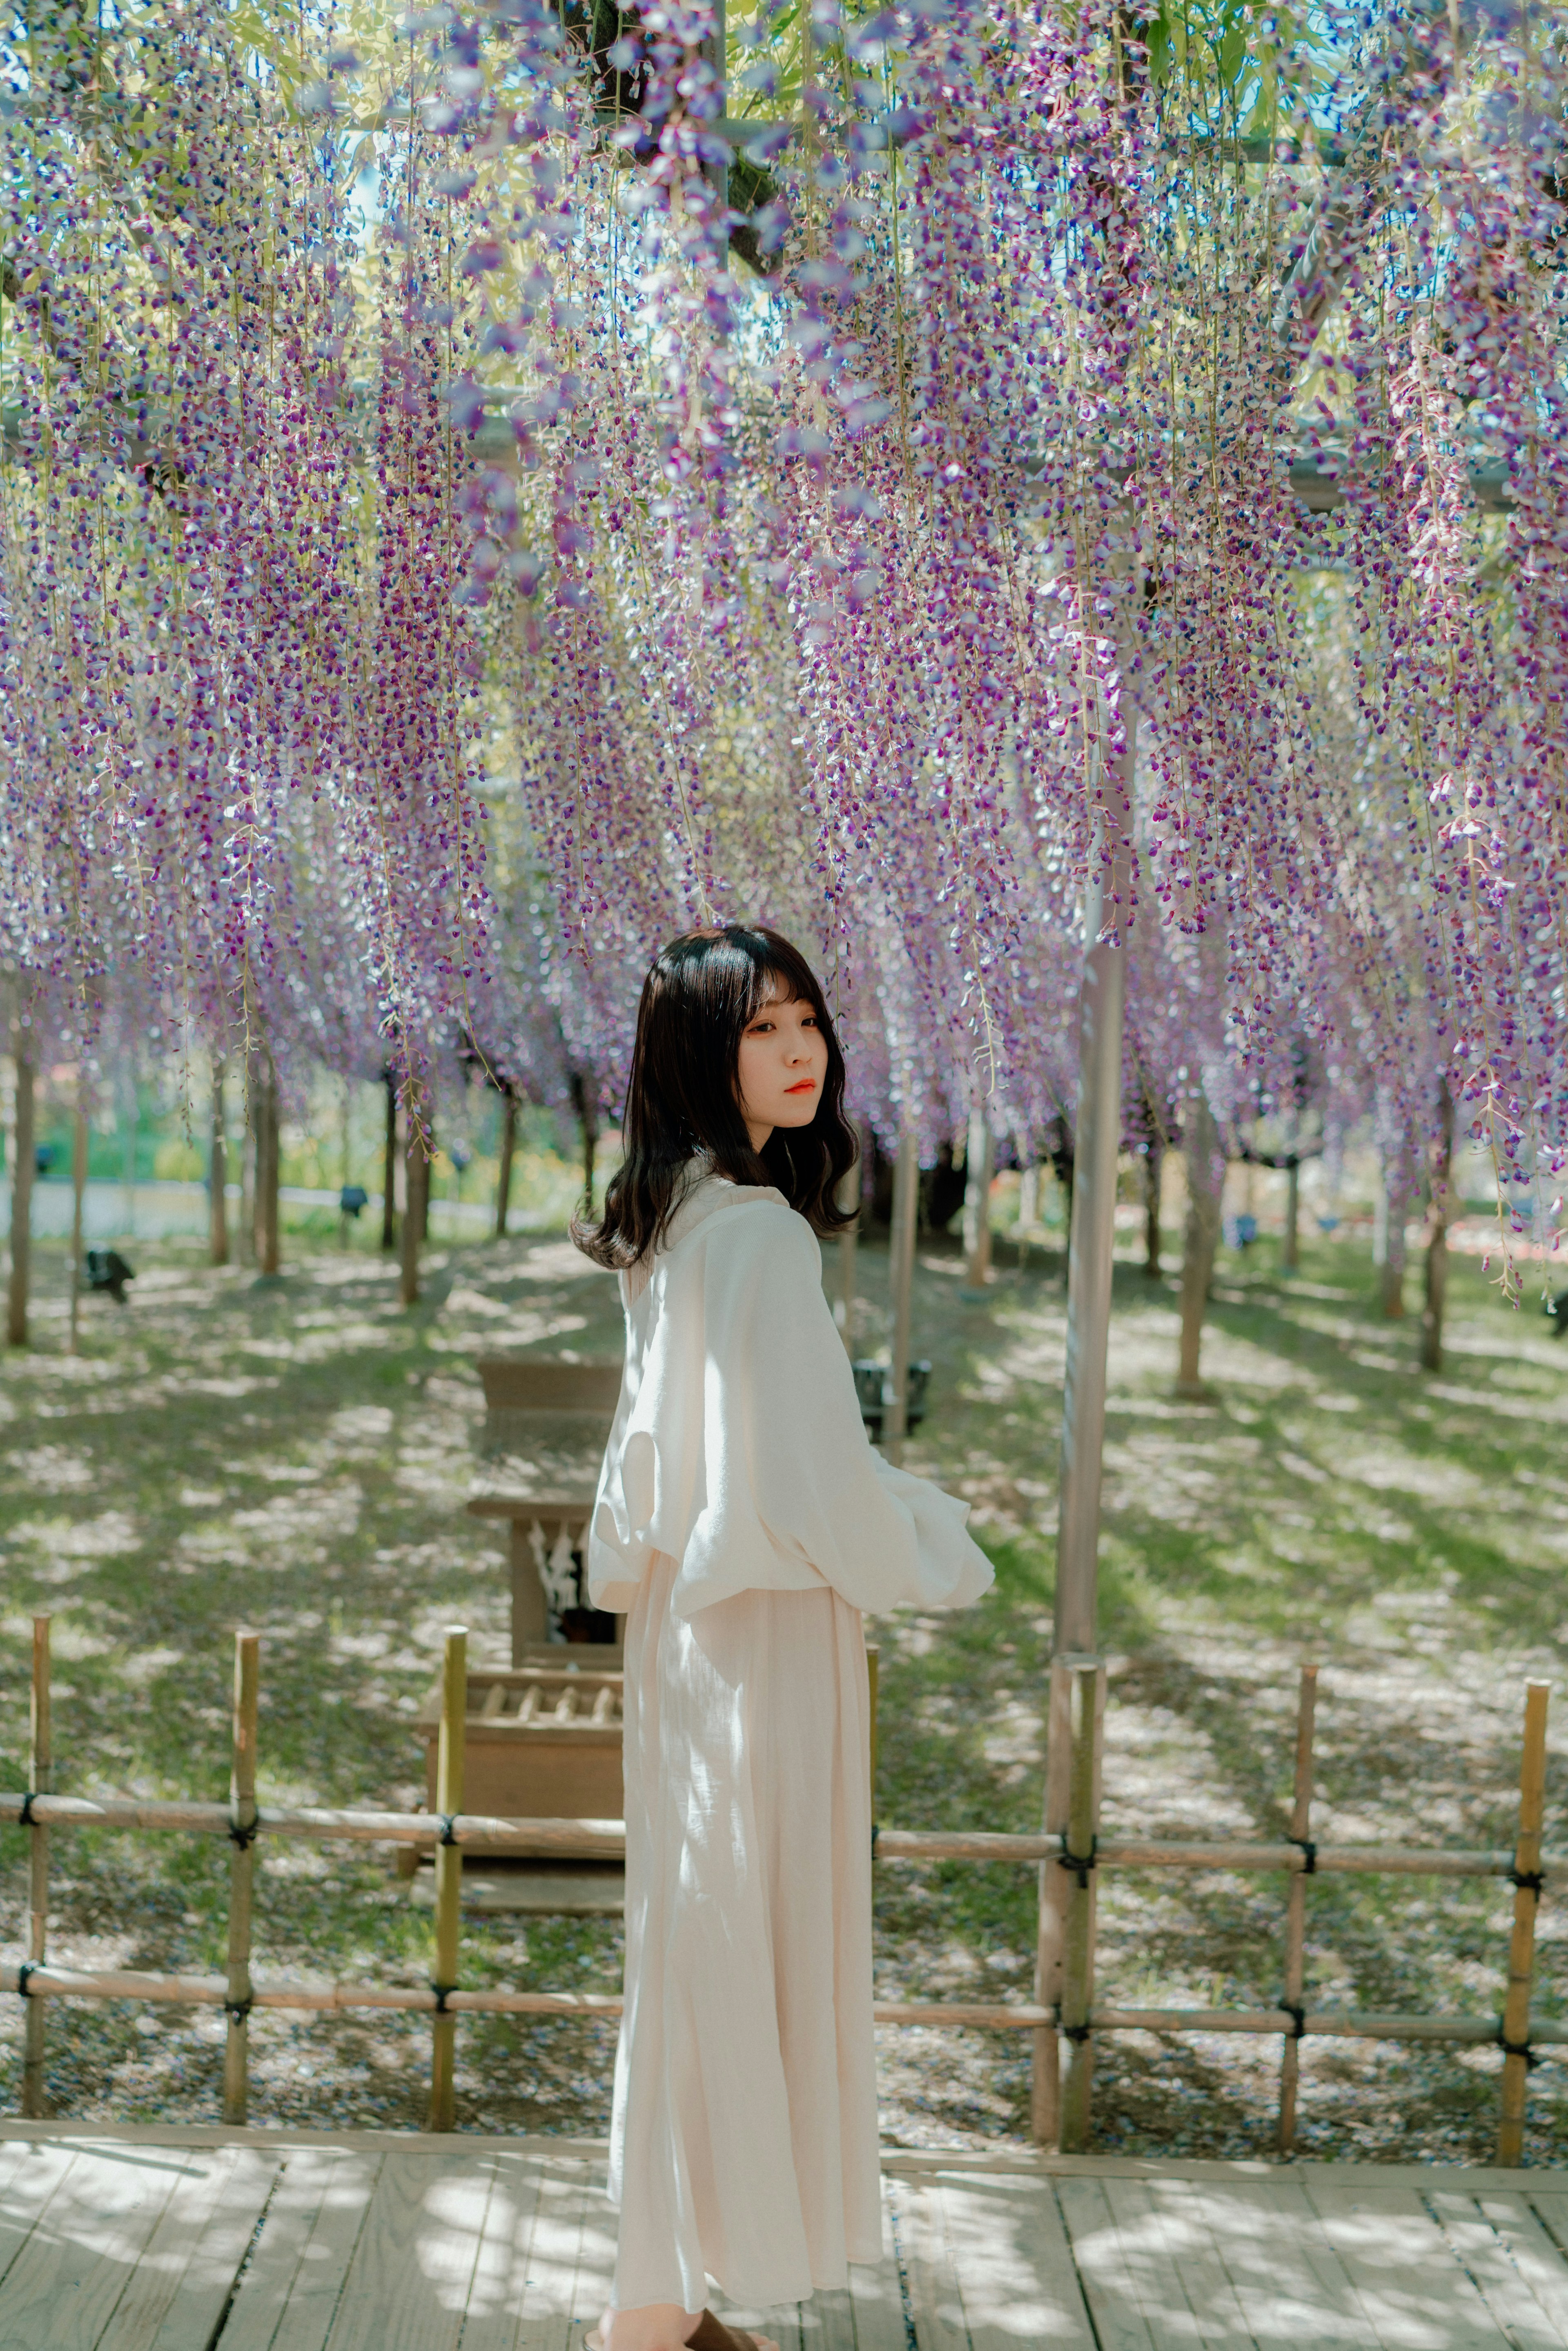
(882, 479)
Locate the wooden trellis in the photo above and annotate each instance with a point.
(1069, 1857)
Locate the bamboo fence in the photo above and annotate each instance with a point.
(1069, 1859)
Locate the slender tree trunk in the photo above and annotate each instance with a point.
(415, 1211)
(504, 1175)
(589, 1148)
(218, 1174)
(389, 1169)
(1205, 1184)
(1154, 1170)
(1388, 1246)
(248, 1192)
(264, 1130)
(978, 1161)
(22, 1163)
(1437, 1282)
(1029, 1195)
(79, 1202)
(418, 1191)
(1289, 1253)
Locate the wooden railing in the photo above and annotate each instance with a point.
(1069, 1862)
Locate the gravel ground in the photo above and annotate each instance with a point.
(296, 1455)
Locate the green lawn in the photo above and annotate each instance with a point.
(295, 1457)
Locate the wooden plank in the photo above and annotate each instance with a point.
(595, 2280)
(1198, 2277)
(876, 2295)
(184, 2280)
(500, 2273)
(1291, 2285)
(28, 2185)
(549, 2288)
(828, 2321)
(412, 2265)
(1017, 2276)
(1110, 2288)
(936, 2305)
(1519, 2273)
(290, 2289)
(1413, 2290)
(64, 2286)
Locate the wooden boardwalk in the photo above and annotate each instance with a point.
(205, 2240)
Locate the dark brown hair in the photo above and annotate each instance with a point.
(683, 1094)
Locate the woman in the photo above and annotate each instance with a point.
(742, 1523)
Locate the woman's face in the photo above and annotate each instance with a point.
(782, 1066)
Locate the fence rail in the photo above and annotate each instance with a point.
(1069, 1859)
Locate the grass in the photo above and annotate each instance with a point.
(295, 1456)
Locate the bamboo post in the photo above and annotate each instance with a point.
(1296, 1906)
(508, 1152)
(40, 1772)
(1087, 1699)
(448, 1879)
(242, 1869)
(873, 1677)
(901, 1285)
(1045, 2115)
(1515, 2035)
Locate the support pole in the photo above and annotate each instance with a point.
(416, 1204)
(901, 1285)
(1289, 1252)
(1515, 2035)
(1436, 1266)
(264, 1129)
(242, 1870)
(79, 1204)
(40, 1780)
(389, 1166)
(22, 1167)
(979, 1160)
(1077, 1863)
(1089, 1265)
(448, 1879)
(849, 1249)
(1296, 1905)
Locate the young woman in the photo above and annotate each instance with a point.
(743, 1522)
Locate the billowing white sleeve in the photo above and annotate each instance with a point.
(792, 1488)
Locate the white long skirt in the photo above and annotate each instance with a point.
(744, 2143)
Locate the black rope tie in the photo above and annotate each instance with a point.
(1528, 1881)
(1079, 1864)
(875, 1832)
(449, 1827)
(241, 1837)
(238, 2010)
(25, 1818)
(1309, 1853)
(1075, 2032)
(1516, 2049)
(28, 1969)
(443, 1995)
(1298, 2016)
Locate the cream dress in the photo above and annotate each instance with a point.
(742, 1523)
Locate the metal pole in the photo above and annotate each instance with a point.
(1096, 1145)
(901, 1283)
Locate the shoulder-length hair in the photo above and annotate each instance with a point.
(682, 1095)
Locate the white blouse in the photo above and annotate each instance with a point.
(737, 1447)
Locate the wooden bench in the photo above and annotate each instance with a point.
(546, 1422)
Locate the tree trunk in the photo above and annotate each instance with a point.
(1388, 1247)
(1028, 1196)
(264, 1129)
(504, 1175)
(1289, 1252)
(1154, 1170)
(1205, 1186)
(978, 1160)
(22, 1163)
(389, 1169)
(1437, 1282)
(78, 1201)
(218, 1176)
(416, 1206)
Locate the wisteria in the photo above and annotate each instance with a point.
(486, 488)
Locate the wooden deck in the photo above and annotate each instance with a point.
(199, 2240)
